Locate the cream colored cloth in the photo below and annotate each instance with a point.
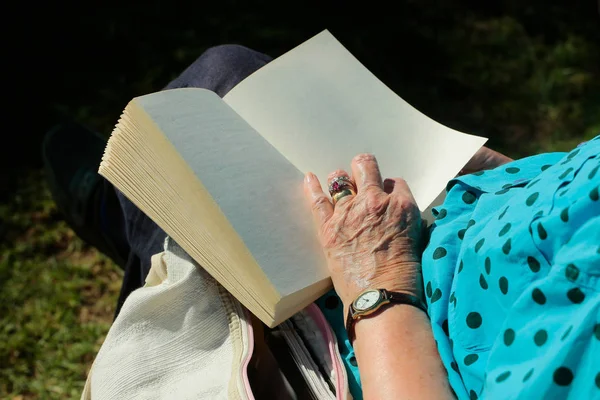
(181, 336)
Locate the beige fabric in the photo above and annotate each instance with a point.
(178, 337)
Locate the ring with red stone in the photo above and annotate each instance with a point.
(341, 186)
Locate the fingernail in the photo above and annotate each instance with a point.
(308, 177)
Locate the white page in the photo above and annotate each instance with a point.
(248, 179)
(319, 107)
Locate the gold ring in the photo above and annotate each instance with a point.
(343, 193)
(340, 187)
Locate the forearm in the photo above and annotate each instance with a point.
(398, 358)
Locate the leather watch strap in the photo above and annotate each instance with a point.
(394, 298)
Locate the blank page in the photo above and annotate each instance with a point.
(319, 107)
(255, 187)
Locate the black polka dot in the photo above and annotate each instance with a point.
(564, 336)
(561, 194)
(428, 289)
(573, 153)
(503, 376)
(504, 230)
(472, 395)
(540, 337)
(488, 265)
(352, 361)
(470, 223)
(454, 366)
(503, 284)
(542, 232)
(512, 170)
(507, 185)
(450, 185)
(538, 214)
(509, 336)
(538, 296)
(593, 172)
(564, 214)
(567, 172)
(502, 191)
(594, 194)
(440, 252)
(452, 299)
(478, 173)
(506, 247)
(545, 167)
(597, 331)
(572, 272)
(565, 162)
(474, 320)
(478, 245)
(451, 343)
(576, 295)
(528, 375)
(442, 214)
(460, 266)
(534, 265)
(461, 234)
(563, 376)
(437, 294)
(469, 197)
(482, 282)
(445, 327)
(470, 359)
(532, 198)
(597, 380)
(533, 183)
(503, 212)
(332, 302)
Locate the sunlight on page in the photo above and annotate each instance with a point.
(319, 107)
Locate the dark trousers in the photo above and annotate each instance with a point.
(218, 69)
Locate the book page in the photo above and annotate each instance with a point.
(254, 186)
(319, 107)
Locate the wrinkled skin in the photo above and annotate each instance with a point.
(372, 239)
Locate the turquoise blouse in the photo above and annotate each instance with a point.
(512, 280)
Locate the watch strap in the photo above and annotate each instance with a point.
(394, 298)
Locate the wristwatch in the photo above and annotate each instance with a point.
(373, 300)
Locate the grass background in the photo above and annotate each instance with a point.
(524, 73)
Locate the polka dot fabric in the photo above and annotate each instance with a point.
(512, 278)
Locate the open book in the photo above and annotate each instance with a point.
(224, 177)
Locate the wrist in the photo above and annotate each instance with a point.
(401, 278)
(410, 318)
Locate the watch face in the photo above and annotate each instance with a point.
(367, 300)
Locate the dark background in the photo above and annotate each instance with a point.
(525, 73)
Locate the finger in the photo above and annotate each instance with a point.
(400, 188)
(365, 172)
(339, 173)
(321, 206)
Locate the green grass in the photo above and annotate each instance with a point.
(57, 299)
(525, 74)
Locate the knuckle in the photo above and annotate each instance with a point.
(374, 203)
(318, 202)
(404, 204)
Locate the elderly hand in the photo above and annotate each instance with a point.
(372, 239)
